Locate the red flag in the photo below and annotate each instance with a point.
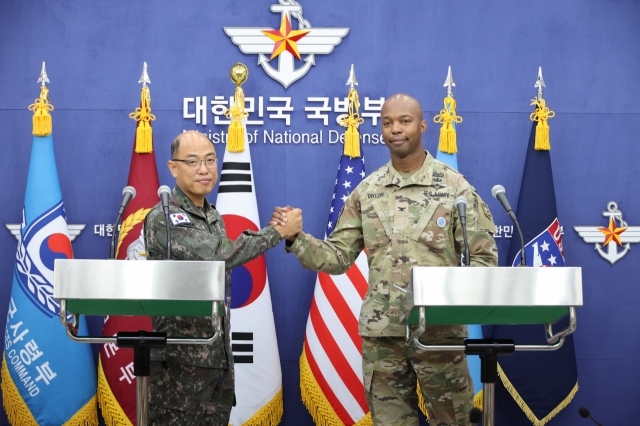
(116, 382)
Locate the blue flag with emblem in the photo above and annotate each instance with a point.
(47, 379)
(536, 385)
(475, 330)
(451, 160)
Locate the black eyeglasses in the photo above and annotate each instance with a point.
(195, 164)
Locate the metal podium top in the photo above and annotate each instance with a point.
(147, 288)
(479, 286)
(479, 295)
(139, 280)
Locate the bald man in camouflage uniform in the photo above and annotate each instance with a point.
(193, 384)
(403, 216)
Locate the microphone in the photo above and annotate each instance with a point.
(499, 193)
(128, 194)
(585, 413)
(475, 415)
(163, 193)
(461, 204)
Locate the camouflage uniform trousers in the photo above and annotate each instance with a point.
(186, 395)
(390, 368)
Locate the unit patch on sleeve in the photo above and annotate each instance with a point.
(179, 218)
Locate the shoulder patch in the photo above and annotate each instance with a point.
(179, 218)
(486, 211)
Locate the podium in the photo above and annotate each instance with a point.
(493, 296)
(141, 288)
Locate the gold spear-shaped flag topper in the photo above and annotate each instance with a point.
(41, 107)
(239, 73)
(541, 115)
(144, 131)
(352, 120)
(448, 119)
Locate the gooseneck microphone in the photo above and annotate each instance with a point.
(128, 194)
(461, 204)
(163, 193)
(499, 193)
(585, 413)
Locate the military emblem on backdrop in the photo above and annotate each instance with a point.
(286, 44)
(616, 237)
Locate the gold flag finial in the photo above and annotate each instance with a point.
(352, 120)
(239, 73)
(144, 131)
(448, 119)
(541, 115)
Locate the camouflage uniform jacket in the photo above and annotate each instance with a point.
(402, 223)
(203, 238)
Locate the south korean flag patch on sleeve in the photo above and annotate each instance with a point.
(179, 218)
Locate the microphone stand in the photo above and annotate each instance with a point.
(163, 193)
(523, 254)
(166, 220)
(112, 248)
(467, 256)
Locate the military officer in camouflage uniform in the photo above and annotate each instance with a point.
(403, 216)
(193, 384)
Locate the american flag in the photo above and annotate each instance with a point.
(331, 362)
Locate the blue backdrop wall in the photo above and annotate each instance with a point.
(591, 62)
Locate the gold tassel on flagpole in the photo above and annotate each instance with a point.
(41, 117)
(144, 132)
(235, 135)
(352, 121)
(448, 119)
(541, 115)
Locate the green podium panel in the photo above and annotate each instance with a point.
(142, 288)
(490, 315)
(153, 308)
(478, 295)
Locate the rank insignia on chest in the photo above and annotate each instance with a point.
(179, 218)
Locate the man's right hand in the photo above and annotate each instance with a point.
(287, 221)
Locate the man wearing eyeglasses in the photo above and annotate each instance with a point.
(193, 384)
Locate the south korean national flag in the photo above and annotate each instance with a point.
(179, 218)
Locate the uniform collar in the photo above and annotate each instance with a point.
(180, 199)
(423, 176)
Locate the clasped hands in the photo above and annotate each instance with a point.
(287, 221)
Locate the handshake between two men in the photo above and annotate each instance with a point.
(287, 221)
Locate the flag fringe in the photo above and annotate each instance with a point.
(525, 408)
(316, 402)
(86, 416)
(270, 414)
(111, 410)
(421, 402)
(17, 410)
(478, 400)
